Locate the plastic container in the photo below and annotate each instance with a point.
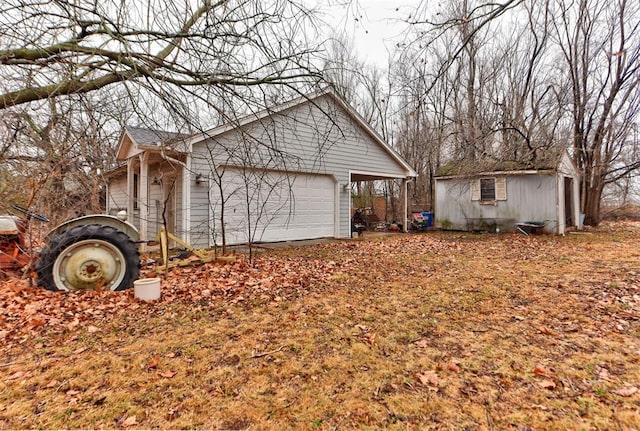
(147, 289)
(428, 219)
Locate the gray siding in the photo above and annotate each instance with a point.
(179, 212)
(200, 229)
(318, 137)
(529, 198)
(117, 196)
(156, 205)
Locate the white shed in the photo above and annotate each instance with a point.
(502, 199)
(284, 173)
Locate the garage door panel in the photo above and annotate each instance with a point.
(277, 206)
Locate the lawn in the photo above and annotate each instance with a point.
(447, 331)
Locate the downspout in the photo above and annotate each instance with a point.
(107, 193)
(336, 207)
(186, 201)
(349, 208)
(130, 192)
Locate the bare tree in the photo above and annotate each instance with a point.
(69, 47)
(516, 81)
(55, 158)
(600, 46)
(153, 63)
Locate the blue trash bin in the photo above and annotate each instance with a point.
(429, 219)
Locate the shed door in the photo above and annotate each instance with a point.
(267, 206)
(568, 202)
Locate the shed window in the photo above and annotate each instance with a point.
(489, 189)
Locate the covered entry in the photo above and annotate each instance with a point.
(361, 176)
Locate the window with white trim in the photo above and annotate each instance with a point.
(489, 190)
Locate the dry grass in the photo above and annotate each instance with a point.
(435, 331)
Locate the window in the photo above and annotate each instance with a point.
(489, 190)
(135, 191)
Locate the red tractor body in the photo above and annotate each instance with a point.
(12, 244)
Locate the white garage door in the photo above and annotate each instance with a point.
(267, 206)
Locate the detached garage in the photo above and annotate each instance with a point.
(281, 174)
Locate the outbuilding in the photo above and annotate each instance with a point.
(545, 195)
(284, 173)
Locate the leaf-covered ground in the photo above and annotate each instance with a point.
(433, 331)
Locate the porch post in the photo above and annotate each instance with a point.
(130, 192)
(143, 195)
(405, 206)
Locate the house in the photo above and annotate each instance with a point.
(283, 173)
(503, 199)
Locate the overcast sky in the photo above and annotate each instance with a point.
(375, 25)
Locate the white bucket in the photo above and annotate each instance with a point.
(147, 289)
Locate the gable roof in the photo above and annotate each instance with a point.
(311, 98)
(142, 137)
(145, 136)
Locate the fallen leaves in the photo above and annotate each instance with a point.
(153, 363)
(625, 391)
(27, 311)
(540, 370)
(167, 374)
(35, 323)
(546, 331)
(18, 375)
(130, 421)
(422, 343)
(431, 324)
(547, 384)
(452, 366)
(52, 384)
(430, 380)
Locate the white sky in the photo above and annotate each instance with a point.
(375, 25)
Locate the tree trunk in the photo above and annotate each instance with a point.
(592, 198)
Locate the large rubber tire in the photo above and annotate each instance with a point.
(89, 257)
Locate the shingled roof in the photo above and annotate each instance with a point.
(146, 136)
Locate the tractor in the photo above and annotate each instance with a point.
(85, 253)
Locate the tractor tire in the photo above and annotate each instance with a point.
(88, 257)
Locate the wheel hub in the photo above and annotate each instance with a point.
(90, 265)
(90, 270)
